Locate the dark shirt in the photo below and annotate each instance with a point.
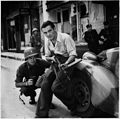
(35, 41)
(26, 71)
(92, 38)
(107, 34)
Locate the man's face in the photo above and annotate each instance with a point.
(49, 32)
(89, 28)
(31, 60)
(36, 32)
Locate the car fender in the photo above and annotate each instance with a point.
(104, 84)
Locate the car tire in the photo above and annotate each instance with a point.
(82, 94)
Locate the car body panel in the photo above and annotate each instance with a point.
(104, 83)
(112, 60)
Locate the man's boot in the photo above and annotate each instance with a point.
(32, 100)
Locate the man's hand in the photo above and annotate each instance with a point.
(64, 66)
(100, 42)
(30, 82)
(51, 58)
(38, 43)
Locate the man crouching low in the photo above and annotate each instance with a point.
(29, 72)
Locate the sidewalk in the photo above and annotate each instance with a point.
(13, 55)
(81, 48)
(16, 56)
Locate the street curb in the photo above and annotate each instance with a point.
(15, 58)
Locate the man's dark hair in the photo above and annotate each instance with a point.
(88, 25)
(48, 23)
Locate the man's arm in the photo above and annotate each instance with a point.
(50, 58)
(32, 41)
(86, 37)
(71, 49)
(47, 51)
(21, 84)
(70, 59)
(19, 78)
(46, 64)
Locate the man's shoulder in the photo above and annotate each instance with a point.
(63, 36)
(23, 65)
(42, 62)
(94, 30)
(87, 32)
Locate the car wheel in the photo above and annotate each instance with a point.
(82, 93)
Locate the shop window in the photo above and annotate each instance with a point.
(63, 21)
(83, 10)
(59, 17)
(74, 27)
(65, 14)
(74, 9)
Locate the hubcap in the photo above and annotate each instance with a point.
(82, 95)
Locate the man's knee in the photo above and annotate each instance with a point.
(53, 88)
(45, 86)
(56, 87)
(47, 83)
(23, 90)
(27, 91)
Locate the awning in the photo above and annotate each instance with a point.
(13, 14)
(53, 5)
(18, 12)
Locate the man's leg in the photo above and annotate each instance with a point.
(45, 97)
(29, 91)
(62, 89)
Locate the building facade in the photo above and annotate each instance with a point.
(72, 16)
(19, 17)
(17, 20)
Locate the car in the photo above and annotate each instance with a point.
(96, 82)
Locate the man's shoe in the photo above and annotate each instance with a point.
(32, 101)
(36, 116)
(52, 106)
(75, 113)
